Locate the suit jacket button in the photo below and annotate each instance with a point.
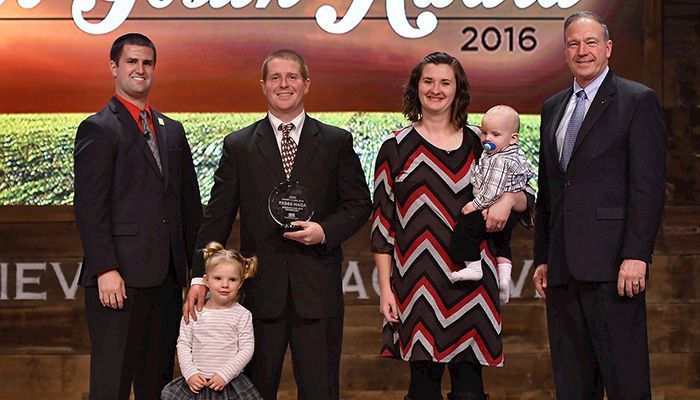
(568, 182)
(165, 220)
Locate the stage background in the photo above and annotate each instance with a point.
(209, 58)
(207, 76)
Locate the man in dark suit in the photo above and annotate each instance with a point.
(601, 193)
(138, 210)
(296, 297)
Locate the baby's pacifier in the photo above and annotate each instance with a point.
(488, 146)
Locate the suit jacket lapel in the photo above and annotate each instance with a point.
(162, 137)
(128, 124)
(600, 103)
(267, 144)
(308, 143)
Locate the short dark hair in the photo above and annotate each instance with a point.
(135, 39)
(589, 15)
(411, 103)
(286, 54)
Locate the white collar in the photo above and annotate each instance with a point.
(592, 89)
(298, 122)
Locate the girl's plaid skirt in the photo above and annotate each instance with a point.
(240, 388)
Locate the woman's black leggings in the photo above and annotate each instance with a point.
(426, 377)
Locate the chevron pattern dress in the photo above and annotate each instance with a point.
(419, 191)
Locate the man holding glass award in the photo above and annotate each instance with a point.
(301, 192)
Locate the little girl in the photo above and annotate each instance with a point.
(214, 348)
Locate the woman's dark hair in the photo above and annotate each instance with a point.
(411, 103)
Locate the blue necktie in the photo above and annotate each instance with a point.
(573, 128)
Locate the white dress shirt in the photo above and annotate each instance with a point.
(295, 134)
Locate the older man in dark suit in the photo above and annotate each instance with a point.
(296, 298)
(138, 210)
(601, 183)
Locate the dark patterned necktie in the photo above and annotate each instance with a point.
(149, 138)
(573, 128)
(289, 148)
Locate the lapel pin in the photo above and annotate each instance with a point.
(161, 122)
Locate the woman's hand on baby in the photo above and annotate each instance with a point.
(197, 382)
(497, 215)
(216, 383)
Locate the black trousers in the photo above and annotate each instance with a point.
(135, 344)
(315, 345)
(598, 342)
(470, 231)
(426, 378)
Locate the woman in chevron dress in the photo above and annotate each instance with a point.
(421, 183)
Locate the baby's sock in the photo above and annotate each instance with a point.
(472, 272)
(504, 280)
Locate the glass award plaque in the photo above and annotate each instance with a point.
(290, 202)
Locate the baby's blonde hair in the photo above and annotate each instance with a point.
(215, 254)
(508, 113)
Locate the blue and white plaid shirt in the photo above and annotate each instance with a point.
(497, 173)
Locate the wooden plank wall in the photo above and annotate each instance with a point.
(44, 348)
(681, 98)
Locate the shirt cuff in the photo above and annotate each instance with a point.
(197, 281)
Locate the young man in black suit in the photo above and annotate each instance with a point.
(138, 209)
(296, 297)
(601, 194)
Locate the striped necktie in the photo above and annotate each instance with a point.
(149, 138)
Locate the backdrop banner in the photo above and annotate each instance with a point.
(54, 54)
